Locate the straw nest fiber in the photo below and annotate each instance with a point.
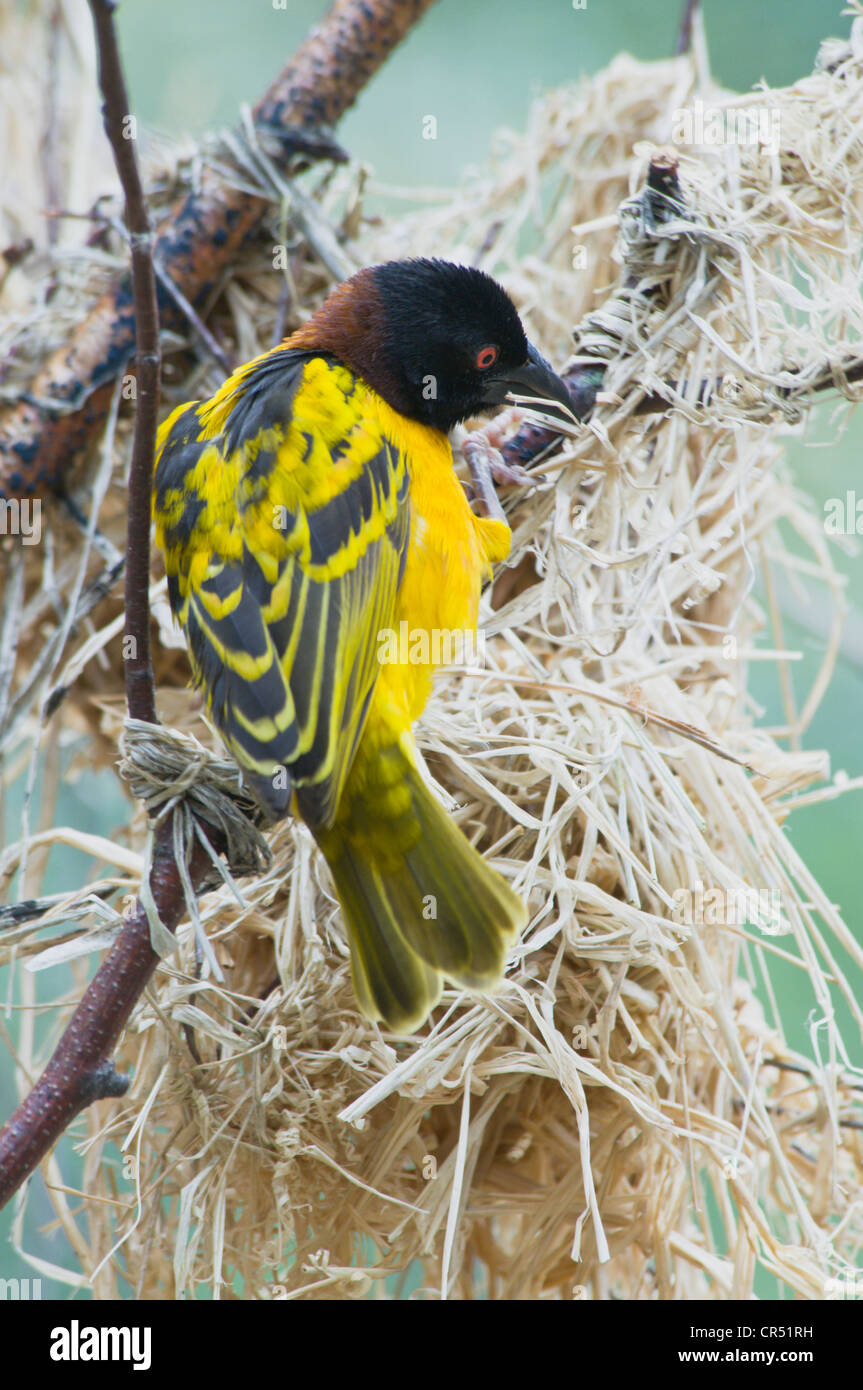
(624, 1117)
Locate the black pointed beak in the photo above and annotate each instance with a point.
(534, 378)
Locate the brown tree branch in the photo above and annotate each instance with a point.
(199, 239)
(585, 383)
(685, 27)
(80, 1070)
(140, 694)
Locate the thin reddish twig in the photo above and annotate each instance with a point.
(140, 694)
(80, 1070)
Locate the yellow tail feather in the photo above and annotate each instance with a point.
(419, 901)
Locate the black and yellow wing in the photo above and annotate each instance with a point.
(284, 516)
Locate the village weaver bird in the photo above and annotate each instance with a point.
(304, 510)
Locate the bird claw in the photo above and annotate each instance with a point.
(509, 474)
(487, 467)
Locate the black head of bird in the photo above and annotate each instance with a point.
(438, 342)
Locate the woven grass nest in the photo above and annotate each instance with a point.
(624, 1117)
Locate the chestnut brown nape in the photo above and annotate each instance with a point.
(415, 331)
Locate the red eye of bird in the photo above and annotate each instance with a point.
(486, 358)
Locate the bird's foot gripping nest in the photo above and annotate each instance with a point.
(489, 469)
